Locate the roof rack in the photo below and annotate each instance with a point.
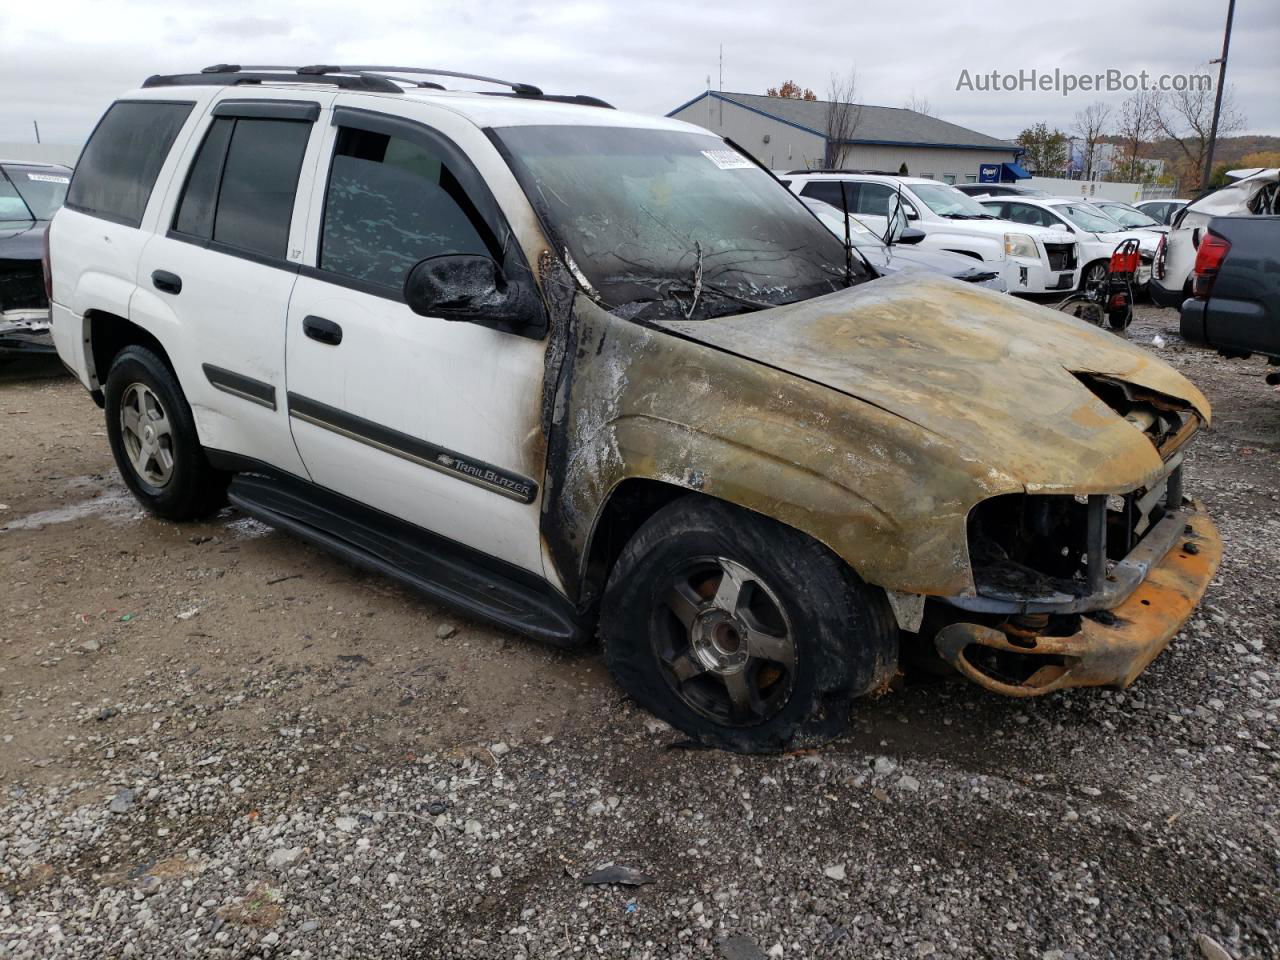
(877, 173)
(381, 79)
(230, 74)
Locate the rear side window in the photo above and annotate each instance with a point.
(390, 203)
(828, 191)
(120, 163)
(241, 186)
(873, 199)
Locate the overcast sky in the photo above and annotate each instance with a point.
(62, 63)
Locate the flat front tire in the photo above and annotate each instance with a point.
(154, 441)
(740, 631)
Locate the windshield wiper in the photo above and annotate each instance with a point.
(697, 285)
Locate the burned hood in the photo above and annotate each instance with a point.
(1007, 385)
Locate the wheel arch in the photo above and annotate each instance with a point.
(633, 500)
(107, 334)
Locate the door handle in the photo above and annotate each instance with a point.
(322, 330)
(166, 282)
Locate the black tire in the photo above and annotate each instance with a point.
(841, 632)
(1119, 319)
(1094, 267)
(191, 489)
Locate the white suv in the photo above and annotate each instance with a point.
(574, 370)
(1030, 259)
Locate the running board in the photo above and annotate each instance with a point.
(435, 567)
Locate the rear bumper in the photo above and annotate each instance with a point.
(1162, 296)
(1110, 653)
(1239, 327)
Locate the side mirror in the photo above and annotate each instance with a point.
(911, 235)
(470, 288)
(896, 222)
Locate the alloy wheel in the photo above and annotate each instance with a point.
(724, 643)
(147, 434)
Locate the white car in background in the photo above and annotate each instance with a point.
(1162, 210)
(1097, 234)
(1028, 259)
(1253, 192)
(1129, 216)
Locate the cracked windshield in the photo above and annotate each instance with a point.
(670, 225)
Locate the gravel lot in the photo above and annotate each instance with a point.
(216, 741)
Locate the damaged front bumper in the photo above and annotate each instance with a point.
(1029, 656)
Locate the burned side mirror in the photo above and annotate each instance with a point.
(470, 288)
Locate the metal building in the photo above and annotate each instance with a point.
(787, 134)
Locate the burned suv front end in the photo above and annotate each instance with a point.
(1084, 589)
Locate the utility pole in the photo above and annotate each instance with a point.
(36, 124)
(1217, 102)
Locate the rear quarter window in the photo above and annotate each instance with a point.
(119, 165)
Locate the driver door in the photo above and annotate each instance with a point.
(434, 422)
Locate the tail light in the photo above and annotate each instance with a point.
(1212, 251)
(46, 266)
(1161, 257)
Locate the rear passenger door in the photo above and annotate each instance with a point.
(222, 267)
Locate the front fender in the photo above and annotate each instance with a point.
(882, 493)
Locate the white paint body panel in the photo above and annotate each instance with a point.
(456, 385)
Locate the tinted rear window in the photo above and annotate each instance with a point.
(121, 161)
(259, 180)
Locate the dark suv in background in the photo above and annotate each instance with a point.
(30, 194)
(1235, 291)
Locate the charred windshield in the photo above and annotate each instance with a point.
(665, 223)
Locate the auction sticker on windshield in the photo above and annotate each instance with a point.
(47, 178)
(727, 159)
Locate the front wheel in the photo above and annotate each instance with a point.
(153, 439)
(1094, 273)
(741, 632)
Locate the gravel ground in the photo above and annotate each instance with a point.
(218, 742)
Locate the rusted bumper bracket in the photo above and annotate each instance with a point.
(1103, 654)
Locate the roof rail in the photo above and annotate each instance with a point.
(358, 77)
(525, 89)
(877, 173)
(230, 74)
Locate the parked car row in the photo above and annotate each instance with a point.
(1029, 259)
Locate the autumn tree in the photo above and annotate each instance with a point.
(1045, 149)
(843, 117)
(1263, 158)
(791, 91)
(1186, 118)
(1091, 126)
(919, 105)
(1138, 123)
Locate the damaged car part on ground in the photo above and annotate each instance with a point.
(632, 385)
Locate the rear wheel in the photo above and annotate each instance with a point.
(741, 632)
(153, 439)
